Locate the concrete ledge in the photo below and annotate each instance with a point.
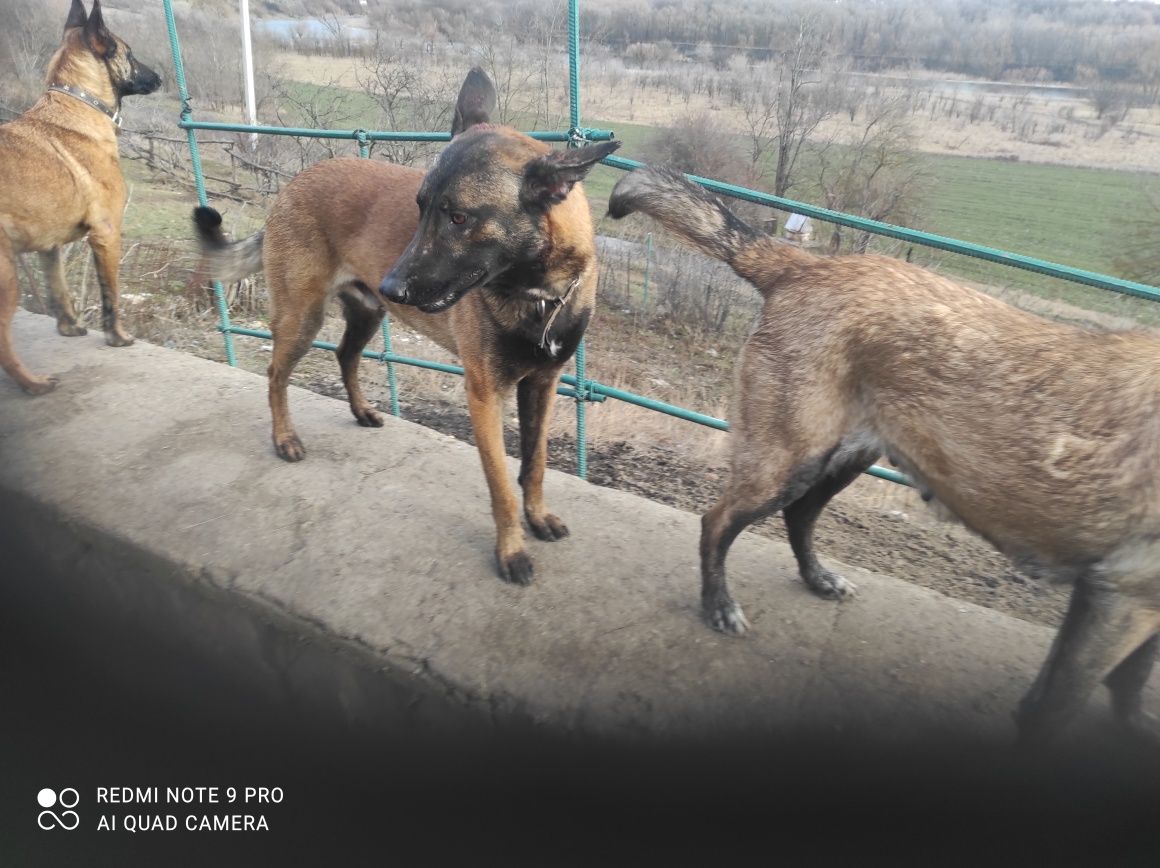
(380, 544)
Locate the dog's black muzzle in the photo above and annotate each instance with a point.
(395, 290)
(143, 81)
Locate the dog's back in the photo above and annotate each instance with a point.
(338, 226)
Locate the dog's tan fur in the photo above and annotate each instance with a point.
(1041, 437)
(60, 180)
(342, 224)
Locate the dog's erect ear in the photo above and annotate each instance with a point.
(97, 35)
(77, 16)
(550, 178)
(476, 101)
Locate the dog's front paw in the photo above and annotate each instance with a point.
(71, 329)
(289, 448)
(830, 586)
(40, 385)
(548, 527)
(726, 616)
(118, 339)
(516, 569)
(368, 416)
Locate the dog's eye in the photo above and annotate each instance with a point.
(458, 218)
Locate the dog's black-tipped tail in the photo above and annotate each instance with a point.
(227, 260)
(700, 218)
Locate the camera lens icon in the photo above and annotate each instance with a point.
(67, 819)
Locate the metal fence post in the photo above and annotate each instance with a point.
(219, 293)
(575, 137)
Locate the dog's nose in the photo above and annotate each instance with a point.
(393, 289)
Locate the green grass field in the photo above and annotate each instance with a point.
(1078, 217)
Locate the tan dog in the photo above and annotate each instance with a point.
(501, 223)
(1043, 438)
(60, 178)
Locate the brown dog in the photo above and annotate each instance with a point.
(1043, 438)
(60, 179)
(501, 222)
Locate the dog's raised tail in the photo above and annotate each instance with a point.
(703, 220)
(226, 260)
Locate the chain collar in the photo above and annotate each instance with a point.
(88, 99)
(557, 305)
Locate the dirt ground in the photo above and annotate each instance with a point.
(874, 524)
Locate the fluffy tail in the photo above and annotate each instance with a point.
(227, 260)
(703, 220)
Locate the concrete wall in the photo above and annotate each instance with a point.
(360, 582)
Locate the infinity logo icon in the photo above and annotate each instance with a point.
(67, 819)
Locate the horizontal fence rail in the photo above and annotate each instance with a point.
(579, 387)
(381, 135)
(926, 239)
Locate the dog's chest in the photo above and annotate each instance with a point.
(543, 338)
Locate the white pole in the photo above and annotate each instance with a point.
(248, 72)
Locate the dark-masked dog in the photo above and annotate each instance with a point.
(1041, 437)
(60, 178)
(491, 255)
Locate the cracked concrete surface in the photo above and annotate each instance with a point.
(382, 539)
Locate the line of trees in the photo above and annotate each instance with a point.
(865, 165)
(1059, 40)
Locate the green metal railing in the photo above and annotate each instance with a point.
(578, 387)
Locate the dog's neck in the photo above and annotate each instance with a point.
(113, 114)
(74, 71)
(538, 292)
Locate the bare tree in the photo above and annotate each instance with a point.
(700, 144)
(876, 173)
(1110, 99)
(29, 34)
(802, 98)
(316, 107)
(783, 103)
(501, 53)
(408, 98)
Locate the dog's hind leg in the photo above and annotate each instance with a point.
(361, 324)
(746, 500)
(9, 301)
(801, 516)
(1102, 631)
(535, 397)
(1126, 683)
(293, 327)
(107, 253)
(59, 300)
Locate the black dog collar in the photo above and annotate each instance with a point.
(88, 99)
